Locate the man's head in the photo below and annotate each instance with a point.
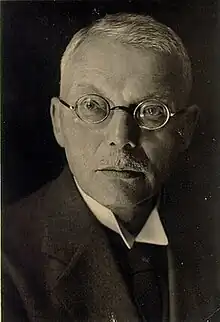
(121, 61)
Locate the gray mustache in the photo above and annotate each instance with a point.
(122, 162)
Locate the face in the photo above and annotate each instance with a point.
(116, 162)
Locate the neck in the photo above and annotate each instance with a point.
(133, 219)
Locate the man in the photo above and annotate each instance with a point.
(97, 244)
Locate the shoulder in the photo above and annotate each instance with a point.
(17, 214)
(24, 223)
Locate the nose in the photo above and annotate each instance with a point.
(122, 131)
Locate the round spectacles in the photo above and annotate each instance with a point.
(94, 109)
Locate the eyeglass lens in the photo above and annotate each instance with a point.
(92, 108)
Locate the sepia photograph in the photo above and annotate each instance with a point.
(110, 161)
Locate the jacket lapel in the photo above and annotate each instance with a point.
(82, 275)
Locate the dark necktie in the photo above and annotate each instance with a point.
(144, 268)
(148, 280)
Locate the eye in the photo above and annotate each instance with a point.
(153, 111)
(92, 108)
(90, 104)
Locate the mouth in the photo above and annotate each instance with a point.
(121, 173)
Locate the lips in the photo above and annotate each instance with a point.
(121, 173)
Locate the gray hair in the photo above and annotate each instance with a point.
(139, 31)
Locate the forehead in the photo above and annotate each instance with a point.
(113, 67)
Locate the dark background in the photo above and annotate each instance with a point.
(34, 36)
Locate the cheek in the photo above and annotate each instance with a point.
(80, 145)
(161, 150)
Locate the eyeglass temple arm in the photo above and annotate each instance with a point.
(66, 104)
(178, 112)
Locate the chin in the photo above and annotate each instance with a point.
(117, 192)
(121, 198)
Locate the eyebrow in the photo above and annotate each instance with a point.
(163, 97)
(94, 88)
(157, 95)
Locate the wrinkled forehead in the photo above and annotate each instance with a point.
(106, 62)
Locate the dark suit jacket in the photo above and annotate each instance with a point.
(58, 265)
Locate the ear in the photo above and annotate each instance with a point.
(188, 124)
(56, 117)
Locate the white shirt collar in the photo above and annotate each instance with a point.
(152, 231)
